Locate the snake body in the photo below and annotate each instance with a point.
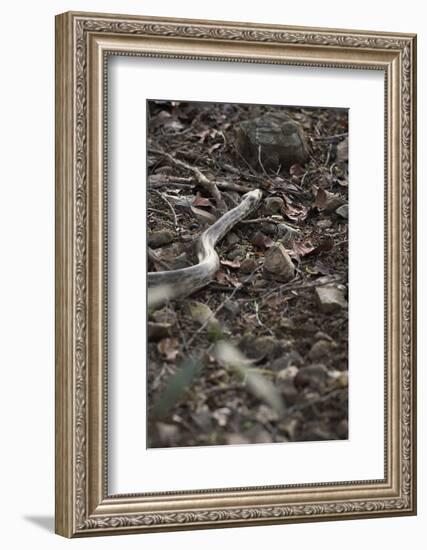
(178, 283)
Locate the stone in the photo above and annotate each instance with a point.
(157, 239)
(268, 228)
(342, 429)
(288, 373)
(232, 239)
(288, 359)
(168, 434)
(157, 331)
(313, 377)
(236, 439)
(320, 350)
(278, 264)
(286, 232)
(256, 348)
(273, 205)
(342, 211)
(330, 298)
(248, 265)
(233, 308)
(342, 151)
(258, 434)
(277, 141)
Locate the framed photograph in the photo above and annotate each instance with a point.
(235, 274)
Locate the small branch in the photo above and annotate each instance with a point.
(329, 138)
(171, 208)
(209, 186)
(155, 259)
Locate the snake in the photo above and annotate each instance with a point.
(164, 286)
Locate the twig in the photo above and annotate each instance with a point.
(189, 183)
(261, 220)
(261, 324)
(154, 258)
(201, 178)
(329, 138)
(260, 161)
(171, 208)
(311, 284)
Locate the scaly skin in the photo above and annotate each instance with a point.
(178, 283)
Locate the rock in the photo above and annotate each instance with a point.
(330, 299)
(288, 373)
(232, 239)
(168, 434)
(342, 429)
(236, 253)
(221, 416)
(236, 439)
(203, 419)
(265, 415)
(232, 307)
(202, 314)
(248, 265)
(338, 379)
(258, 434)
(324, 224)
(342, 211)
(286, 232)
(256, 348)
(288, 359)
(157, 331)
(156, 239)
(273, 205)
(278, 264)
(290, 427)
(322, 336)
(277, 141)
(268, 228)
(341, 154)
(313, 376)
(320, 350)
(288, 390)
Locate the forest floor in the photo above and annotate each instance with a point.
(292, 380)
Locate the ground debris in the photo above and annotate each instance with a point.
(278, 264)
(290, 323)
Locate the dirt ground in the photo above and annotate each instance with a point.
(292, 380)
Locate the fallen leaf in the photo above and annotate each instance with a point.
(296, 213)
(231, 263)
(203, 216)
(201, 201)
(296, 170)
(214, 147)
(260, 240)
(325, 200)
(169, 348)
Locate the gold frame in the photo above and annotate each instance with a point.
(83, 42)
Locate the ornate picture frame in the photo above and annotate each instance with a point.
(84, 42)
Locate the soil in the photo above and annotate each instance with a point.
(291, 347)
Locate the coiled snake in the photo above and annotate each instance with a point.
(178, 283)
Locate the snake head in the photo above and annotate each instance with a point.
(253, 198)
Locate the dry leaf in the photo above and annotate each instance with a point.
(326, 200)
(260, 240)
(169, 348)
(296, 170)
(201, 201)
(231, 263)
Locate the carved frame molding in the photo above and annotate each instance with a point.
(83, 43)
